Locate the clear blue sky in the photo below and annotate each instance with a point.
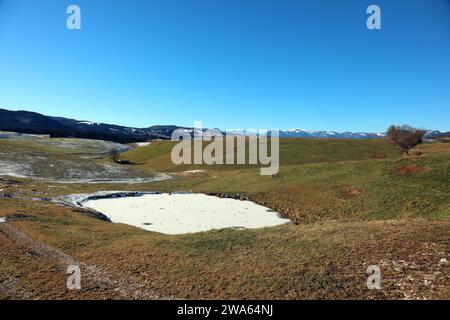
(230, 63)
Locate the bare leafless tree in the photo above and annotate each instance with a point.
(114, 155)
(405, 136)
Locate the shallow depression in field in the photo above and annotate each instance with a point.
(185, 213)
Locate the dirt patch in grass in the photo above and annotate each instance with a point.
(348, 193)
(408, 170)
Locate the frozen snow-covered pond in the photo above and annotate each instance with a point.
(185, 213)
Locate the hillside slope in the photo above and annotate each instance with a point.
(32, 122)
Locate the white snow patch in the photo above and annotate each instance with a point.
(143, 144)
(90, 123)
(2, 220)
(185, 213)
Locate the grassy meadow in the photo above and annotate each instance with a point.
(355, 203)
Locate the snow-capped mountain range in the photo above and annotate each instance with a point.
(31, 122)
(300, 133)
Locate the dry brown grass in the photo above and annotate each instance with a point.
(325, 260)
